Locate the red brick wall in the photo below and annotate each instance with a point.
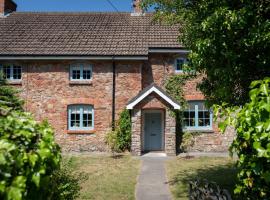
(47, 92)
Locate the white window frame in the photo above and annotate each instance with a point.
(197, 127)
(81, 127)
(11, 71)
(185, 61)
(80, 67)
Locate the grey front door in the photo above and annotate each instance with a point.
(153, 131)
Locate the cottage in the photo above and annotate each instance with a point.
(80, 70)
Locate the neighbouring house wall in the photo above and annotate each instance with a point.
(47, 92)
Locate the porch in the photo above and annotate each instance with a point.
(153, 125)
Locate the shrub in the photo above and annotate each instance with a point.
(119, 140)
(252, 142)
(28, 156)
(188, 141)
(28, 153)
(65, 183)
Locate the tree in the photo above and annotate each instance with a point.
(252, 142)
(229, 42)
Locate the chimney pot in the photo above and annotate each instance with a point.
(6, 7)
(137, 9)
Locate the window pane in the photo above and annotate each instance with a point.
(76, 74)
(201, 122)
(87, 73)
(179, 64)
(192, 105)
(192, 122)
(207, 122)
(17, 72)
(201, 114)
(7, 72)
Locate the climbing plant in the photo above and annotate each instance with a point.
(174, 87)
(119, 140)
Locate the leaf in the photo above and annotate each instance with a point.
(36, 179)
(14, 193)
(266, 176)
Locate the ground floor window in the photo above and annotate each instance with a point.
(11, 72)
(80, 117)
(197, 116)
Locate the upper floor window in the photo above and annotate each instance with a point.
(80, 72)
(197, 116)
(179, 64)
(11, 72)
(80, 117)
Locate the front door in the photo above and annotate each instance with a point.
(153, 131)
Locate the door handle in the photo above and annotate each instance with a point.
(153, 134)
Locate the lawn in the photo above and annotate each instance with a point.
(108, 178)
(181, 170)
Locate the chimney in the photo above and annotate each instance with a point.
(6, 7)
(137, 9)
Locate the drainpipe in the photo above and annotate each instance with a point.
(113, 96)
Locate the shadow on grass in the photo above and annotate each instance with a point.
(225, 176)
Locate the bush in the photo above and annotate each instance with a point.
(188, 141)
(252, 142)
(28, 156)
(120, 139)
(65, 183)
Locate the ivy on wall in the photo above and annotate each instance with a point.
(174, 87)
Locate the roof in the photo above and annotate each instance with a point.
(83, 34)
(153, 88)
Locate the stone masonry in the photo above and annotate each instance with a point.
(47, 92)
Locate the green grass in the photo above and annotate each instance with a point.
(108, 177)
(182, 170)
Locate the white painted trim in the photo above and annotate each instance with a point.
(162, 127)
(73, 58)
(157, 91)
(184, 51)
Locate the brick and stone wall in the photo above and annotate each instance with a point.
(161, 66)
(136, 139)
(47, 92)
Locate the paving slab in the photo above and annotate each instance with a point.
(152, 181)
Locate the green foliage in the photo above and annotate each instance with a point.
(174, 87)
(119, 140)
(28, 156)
(252, 142)
(188, 140)
(229, 42)
(8, 98)
(65, 183)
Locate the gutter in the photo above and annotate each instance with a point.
(168, 50)
(73, 57)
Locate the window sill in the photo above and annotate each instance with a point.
(80, 132)
(199, 130)
(79, 82)
(14, 82)
(179, 71)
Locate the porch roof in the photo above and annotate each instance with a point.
(153, 88)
